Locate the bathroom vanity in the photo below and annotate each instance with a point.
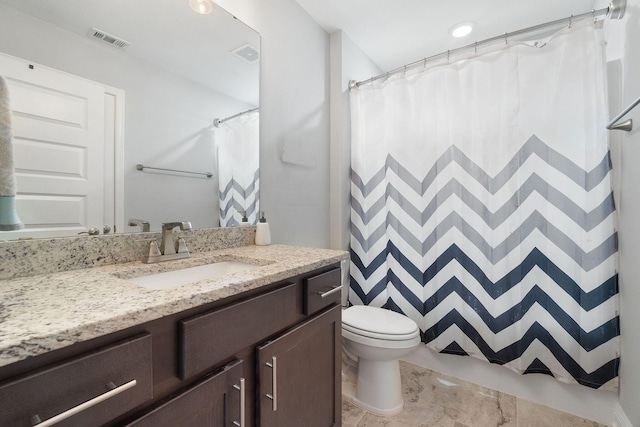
(260, 347)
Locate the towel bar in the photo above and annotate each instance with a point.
(142, 167)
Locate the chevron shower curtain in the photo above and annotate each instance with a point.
(239, 169)
(482, 206)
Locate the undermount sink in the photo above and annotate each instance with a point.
(171, 279)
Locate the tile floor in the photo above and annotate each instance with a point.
(435, 400)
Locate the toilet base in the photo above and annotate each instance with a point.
(378, 388)
(378, 411)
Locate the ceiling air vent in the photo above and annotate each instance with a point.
(108, 38)
(247, 52)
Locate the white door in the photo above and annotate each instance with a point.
(58, 143)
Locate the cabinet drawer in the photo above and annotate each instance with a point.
(107, 382)
(322, 290)
(208, 339)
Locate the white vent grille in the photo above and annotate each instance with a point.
(108, 38)
(248, 52)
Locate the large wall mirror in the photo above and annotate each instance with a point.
(147, 79)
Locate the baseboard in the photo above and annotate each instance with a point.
(620, 418)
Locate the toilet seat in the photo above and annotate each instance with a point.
(378, 323)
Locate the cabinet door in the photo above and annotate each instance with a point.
(215, 401)
(299, 375)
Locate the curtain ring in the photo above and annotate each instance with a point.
(476, 47)
(505, 38)
(570, 21)
(405, 71)
(593, 14)
(425, 63)
(448, 53)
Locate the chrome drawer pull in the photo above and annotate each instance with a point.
(329, 292)
(242, 403)
(86, 405)
(274, 380)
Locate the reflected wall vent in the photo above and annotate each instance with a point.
(248, 52)
(108, 38)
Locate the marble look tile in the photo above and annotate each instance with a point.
(533, 415)
(435, 400)
(351, 414)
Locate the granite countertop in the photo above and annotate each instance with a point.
(50, 311)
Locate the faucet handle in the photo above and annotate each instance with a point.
(154, 250)
(181, 246)
(154, 253)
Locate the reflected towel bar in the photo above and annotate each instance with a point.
(627, 125)
(142, 167)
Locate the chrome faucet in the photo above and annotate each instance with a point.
(168, 249)
(143, 224)
(167, 246)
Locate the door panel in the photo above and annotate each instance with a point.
(58, 134)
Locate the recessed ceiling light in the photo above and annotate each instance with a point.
(202, 7)
(462, 29)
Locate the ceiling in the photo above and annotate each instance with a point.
(393, 33)
(170, 36)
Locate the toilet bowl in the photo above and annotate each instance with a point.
(378, 338)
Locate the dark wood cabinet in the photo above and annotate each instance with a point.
(207, 339)
(207, 366)
(299, 375)
(90, 389)
(215, 401)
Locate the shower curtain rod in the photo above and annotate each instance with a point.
(615, 10)
(218, 122)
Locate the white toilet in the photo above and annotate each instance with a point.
(378, 338)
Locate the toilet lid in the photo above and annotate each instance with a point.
(374, 321)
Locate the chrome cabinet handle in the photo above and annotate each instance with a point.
(274, 388)
(242, 403)
(81, 407)
(329, 292)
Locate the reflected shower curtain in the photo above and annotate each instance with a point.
(239, 169)
(482, 206)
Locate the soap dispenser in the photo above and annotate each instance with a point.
(245, 220)
(263, 233)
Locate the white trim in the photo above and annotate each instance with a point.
(118, 152)
(620, 418)
(337, 198)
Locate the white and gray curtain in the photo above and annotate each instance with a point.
(482, 206)
(239, 169)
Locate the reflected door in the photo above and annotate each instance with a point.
(58, 143)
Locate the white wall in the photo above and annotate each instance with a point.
(167, 118)
(294, 119)
(348, 62)
(628, 204)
